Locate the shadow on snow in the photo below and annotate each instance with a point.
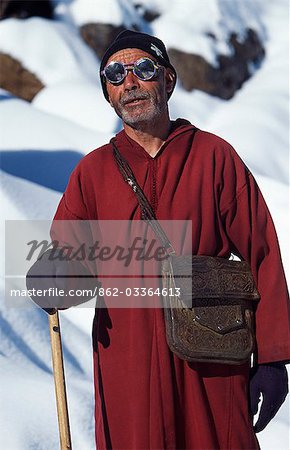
(48, 168)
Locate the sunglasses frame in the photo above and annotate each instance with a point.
(131, 66)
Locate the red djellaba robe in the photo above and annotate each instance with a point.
(146, 397)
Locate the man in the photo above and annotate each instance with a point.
(147, 397)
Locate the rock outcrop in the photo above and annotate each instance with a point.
(194, 72)
(146, 12)
(99, 35)
(18, 80)
(224, 79)
(25, 9)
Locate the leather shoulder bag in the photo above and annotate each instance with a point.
(219, 325)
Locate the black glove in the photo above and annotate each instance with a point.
(52, 271)
(271, 380)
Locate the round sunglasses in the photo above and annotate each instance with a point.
(144, 69)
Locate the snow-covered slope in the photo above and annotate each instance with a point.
(28, 413)
(70, 115)
(32, 129)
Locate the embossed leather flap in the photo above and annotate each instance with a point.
(202, 277)
(222, 320)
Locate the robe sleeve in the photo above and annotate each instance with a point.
(250, 229)
(72, 204)
(70, 224)
(71, 229)
(75, 220)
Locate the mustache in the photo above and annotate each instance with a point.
(134, 95)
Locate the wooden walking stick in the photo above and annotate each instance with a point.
(59, 381)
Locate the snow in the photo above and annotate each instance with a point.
(29, 397)
(42, 141)
(50, 132)
(66, 57)
(59, 101)
(218, 18)
(116, 12)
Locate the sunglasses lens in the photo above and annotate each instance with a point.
(144, 69)
(115, 72)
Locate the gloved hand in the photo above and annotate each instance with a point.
(270, 380)
(52, 273)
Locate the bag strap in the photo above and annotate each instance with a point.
(147, 212)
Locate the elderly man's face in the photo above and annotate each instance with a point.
(135, 101)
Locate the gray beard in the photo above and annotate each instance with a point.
(139, 119)
(140, 116)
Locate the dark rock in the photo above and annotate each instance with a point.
(250, 49)
(25, 9)
(3, 7)
(148, 14)
(99, 36)
(230, 73)
(18, 80)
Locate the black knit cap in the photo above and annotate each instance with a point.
(142, 41)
